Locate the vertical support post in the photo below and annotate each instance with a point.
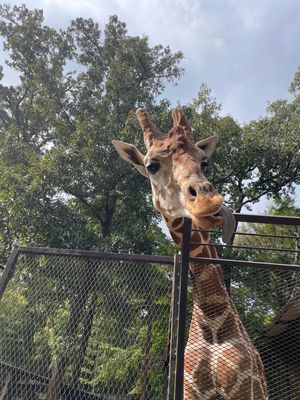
(178, 317)
(297, 248)
(174, 329)
(9, 270)
(184, 273)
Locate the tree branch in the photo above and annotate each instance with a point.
(86, 204)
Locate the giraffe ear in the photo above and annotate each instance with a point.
(132, 155)
(208, 145)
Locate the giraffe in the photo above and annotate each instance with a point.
(220, 360)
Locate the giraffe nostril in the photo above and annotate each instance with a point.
(192, 191)
(206, 187)
(201, 189)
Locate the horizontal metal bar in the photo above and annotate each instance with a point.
(215, 232)
(262, 219)
(96, 254)
(267, 235)
(230, 246)
(267, 219)
(244, 263)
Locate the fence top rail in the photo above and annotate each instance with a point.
(149, 258)
(267, 219)
(261, 219)
(239, 247)
(96, 254)
(245, 263)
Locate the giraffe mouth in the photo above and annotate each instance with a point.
(223, 217)
(206, 209)
(210, 221)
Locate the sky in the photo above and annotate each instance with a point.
(245, 51)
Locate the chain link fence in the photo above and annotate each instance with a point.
(81, 327)
(86, 325)
(244, 316)
(267, 302)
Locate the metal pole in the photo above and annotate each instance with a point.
(184, 271)
(9, 270)
(173, 329)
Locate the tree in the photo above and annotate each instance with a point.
(62, 183)
(261, 294)
(259, 159)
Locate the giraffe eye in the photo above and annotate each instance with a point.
(204, 164)
(153, 168)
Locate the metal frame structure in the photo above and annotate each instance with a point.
(7, 275)
(180, 281)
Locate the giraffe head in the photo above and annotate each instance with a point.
(174, 164)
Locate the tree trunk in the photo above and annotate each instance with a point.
(145, 365)
(87, 328)
(76, 315)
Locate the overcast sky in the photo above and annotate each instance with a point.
(246, 51)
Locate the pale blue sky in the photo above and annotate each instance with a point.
(246, 51)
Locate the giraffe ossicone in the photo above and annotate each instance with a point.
(220, 360)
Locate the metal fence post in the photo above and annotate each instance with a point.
(184, 272)
(174, 329)
(9, 270)
(178, 317)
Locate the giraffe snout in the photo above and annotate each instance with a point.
(201, 199)
(200, 188)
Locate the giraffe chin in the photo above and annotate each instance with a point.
(225, 218)
(211, 221)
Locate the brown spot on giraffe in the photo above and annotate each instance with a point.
(199, 370)
(212, 311)
(229, 330)
(176, 223)
(220, 360)
(216, 397)
(207, 333)
(244, 391)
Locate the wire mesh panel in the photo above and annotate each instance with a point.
(268, 302)
(79, 327)
(221, 355)
(243, 319)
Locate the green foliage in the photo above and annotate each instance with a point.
(258, 159)
(62, 183)
(261, 294)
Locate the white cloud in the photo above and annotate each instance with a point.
(251, 12)
(245, 50)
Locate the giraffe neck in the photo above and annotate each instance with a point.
(200, 243)
(220, 359)
(210, 296)
(200, 246)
